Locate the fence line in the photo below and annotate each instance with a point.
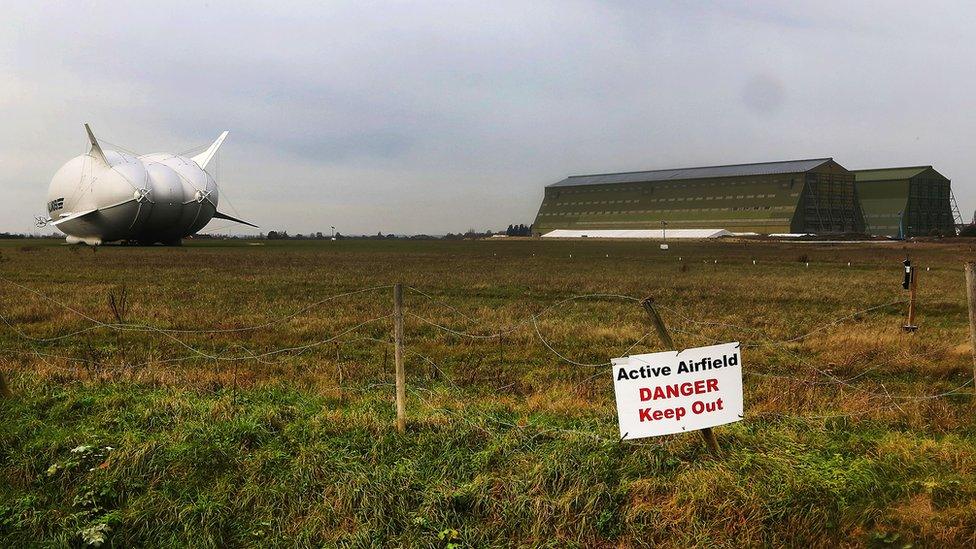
(661, 442)
(245, 354)
(533, 318)
(669, 439)
(832, 380)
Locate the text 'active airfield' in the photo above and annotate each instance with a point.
(677, 391)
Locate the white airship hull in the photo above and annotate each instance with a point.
(107, 196)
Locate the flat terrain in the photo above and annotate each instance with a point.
(242, 394)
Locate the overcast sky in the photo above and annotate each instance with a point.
(431, 117)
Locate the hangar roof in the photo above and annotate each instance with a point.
(889, 174)
(732, 170)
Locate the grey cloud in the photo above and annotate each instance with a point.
(466, 110)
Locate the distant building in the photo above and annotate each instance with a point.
(902, 202)
(796, 196)
(655, 234)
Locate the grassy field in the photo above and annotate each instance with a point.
(229, 400)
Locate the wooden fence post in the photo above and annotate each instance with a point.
(4, 388)
(401, 376)
(971, 294)
(662, 331)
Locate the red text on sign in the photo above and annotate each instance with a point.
(679, 389)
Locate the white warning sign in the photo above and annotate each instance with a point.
(677, 391)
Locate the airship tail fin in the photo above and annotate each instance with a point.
(96, 149)
(218, 215)
(206, 156)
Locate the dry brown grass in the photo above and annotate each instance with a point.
(825, 413)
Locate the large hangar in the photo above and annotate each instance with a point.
(795, 196)
(904, 202)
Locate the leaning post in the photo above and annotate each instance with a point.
(401, 376)
(971, 294)
(4, 388)
(662, 331)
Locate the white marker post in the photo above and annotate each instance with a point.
(678, 391)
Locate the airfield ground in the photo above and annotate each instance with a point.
(856, 433)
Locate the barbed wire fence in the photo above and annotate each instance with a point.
(692, 330)
(827, 378)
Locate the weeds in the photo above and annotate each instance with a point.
(118, 303)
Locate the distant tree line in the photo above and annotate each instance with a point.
(512, 230)
(283, 235)
(469, 234)
(22, 236)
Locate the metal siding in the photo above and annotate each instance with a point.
(929, 211)
(761, 204)
(766, 203)
(829, 202)
(923, 194)
(889, 174)
(882, 201)
(706, 172)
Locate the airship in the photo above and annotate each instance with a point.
(107, 195)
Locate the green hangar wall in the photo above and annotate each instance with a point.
(795, 196)
(902, 202)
